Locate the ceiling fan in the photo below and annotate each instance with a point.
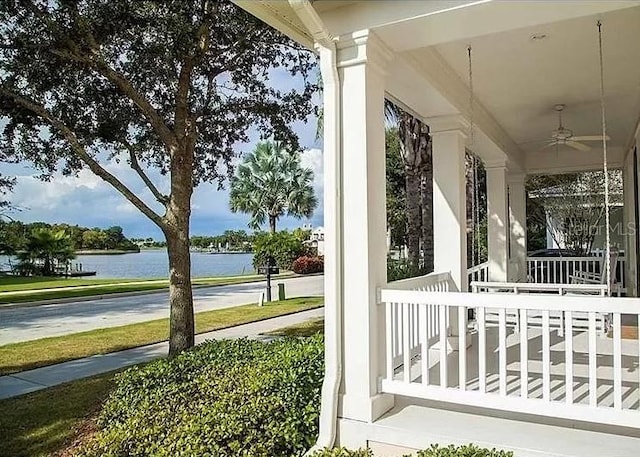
(564, 136)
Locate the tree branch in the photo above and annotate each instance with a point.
(202, 40)
(95, 61)
(135, 165)
(80, 151)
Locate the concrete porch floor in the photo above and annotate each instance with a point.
(415, 424)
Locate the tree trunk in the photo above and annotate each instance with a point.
(413, 218)
(414, 142)
(176, 230)
(272, 223)
(427, 216)
(46, 268)
(181, 322)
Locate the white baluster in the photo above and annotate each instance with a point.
(617, 361)
(524, 354)
(502, 350)
(406, 349)
(546, 358)
(443, 346)
(593, 368)
(482, 351)
(424, 343)
(390, 339)
(462, 347)
(568, 346)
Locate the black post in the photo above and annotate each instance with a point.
(268, 284)
(270, 262)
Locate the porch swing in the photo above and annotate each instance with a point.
(606, 275)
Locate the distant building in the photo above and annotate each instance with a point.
(316, 239)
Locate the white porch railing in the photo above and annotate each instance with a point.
(558, 270)
(576, 374)
(397, 351)
(478, 272)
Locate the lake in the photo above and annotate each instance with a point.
(153, 263)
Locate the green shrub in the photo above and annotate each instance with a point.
(342, 452)
(402, 269)
(283, 246)
(223, 398)
(469, 450)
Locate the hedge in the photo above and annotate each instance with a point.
(469, 450)
(223, 398)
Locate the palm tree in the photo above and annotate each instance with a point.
(416, 158)
(46, 248)
(271, 183)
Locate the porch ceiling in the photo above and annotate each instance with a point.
(519, 80)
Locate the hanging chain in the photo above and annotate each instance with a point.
(475, 202)
(477, 205)
(605, 164)
(473, 210)
(471, 135)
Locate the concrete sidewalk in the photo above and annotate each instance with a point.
(42, 378)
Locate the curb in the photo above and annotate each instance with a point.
(58, 301)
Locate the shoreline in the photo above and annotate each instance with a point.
(106, 252)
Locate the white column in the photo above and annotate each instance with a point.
(449, 198)
(629, 217)
(498, 222)
(517, 270)
(361, 65)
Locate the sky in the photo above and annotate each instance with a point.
(88, 201)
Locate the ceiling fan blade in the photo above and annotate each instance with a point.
(578, 146)
(534, 141)
(589, 138)
(551, 143)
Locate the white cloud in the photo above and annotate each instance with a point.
(312, 159)
(88, 200)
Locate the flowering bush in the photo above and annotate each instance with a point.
(308, 264)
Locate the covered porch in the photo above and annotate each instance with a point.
(509, 342)
(525, 358)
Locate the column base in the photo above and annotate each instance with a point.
(366, 409)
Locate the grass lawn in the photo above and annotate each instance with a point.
(42, 423)
(308, 328)
(20, 290)
(15, 283)
(47, 351)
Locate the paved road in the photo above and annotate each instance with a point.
(34, 322)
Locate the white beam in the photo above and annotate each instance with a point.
(407, 25)
(491, 142)
(280, 16)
